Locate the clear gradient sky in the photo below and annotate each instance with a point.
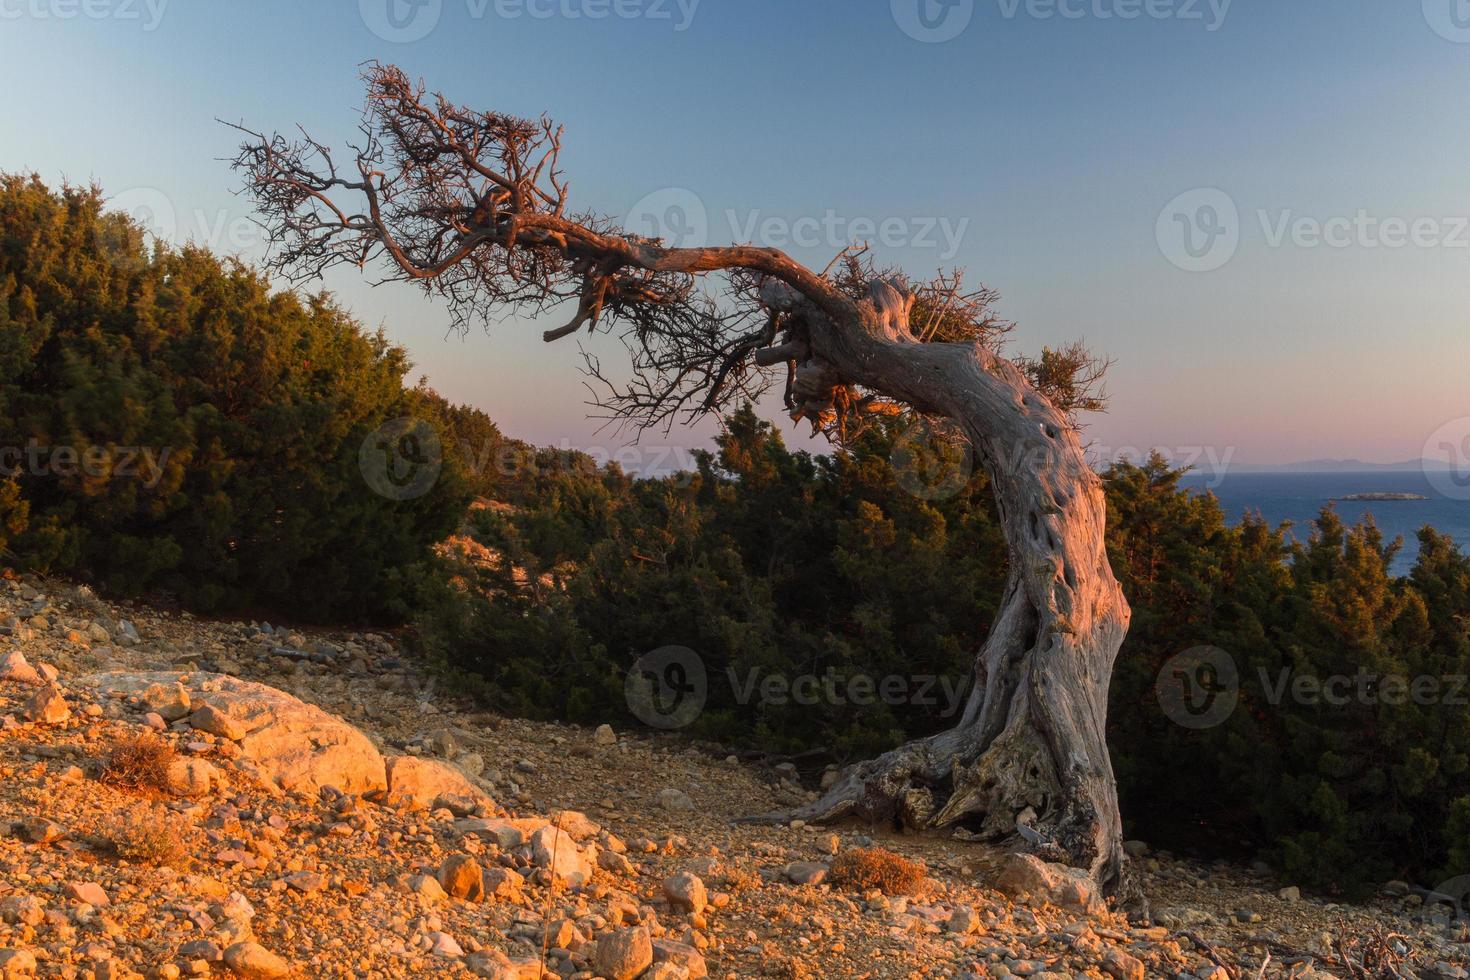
(1049, 136)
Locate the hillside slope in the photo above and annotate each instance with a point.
(267, 838)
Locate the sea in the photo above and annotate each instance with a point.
(1298, 497)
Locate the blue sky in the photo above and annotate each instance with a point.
(1040, 147)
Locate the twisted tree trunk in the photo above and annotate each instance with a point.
(1032, 734)
(472, 207)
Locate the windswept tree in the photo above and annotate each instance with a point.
(473, 206)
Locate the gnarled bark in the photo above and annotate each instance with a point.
(1032, 737)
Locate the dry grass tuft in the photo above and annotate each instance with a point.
(868, 868)
(139, 762)
(151, 837)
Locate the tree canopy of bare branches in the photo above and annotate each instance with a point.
(474, 207)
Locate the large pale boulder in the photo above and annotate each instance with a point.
(289, 743)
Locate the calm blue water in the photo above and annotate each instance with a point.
(1298, 497)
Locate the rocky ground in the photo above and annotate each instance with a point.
(159, 817)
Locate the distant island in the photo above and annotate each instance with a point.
(1382, 496)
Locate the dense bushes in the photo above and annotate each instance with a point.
(768, 562)
(170, 425)
(1345, 758)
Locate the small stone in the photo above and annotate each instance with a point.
(806, 873)
(675, 800)
(46, 707)
(254, 962)
(1122, 966)
(14, 668)
(623, 954)
(191, 777)
(169, 701)
(1291, 893)
(16, 963)
(305, 882)
(963, 921)
(89, 892)
(687, 960)
(686, 893)
(605, 735)
(427, 887)
(461, 877)
(39, 830)
(214, 721)
(443, 945)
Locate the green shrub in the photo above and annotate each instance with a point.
(184, 430)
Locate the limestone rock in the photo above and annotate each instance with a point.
(430, 783)
(686, 893)
(89, 892)
(216, 722)
(15, 669)
(1122, 966)
(554, 849)
(1028, 879)
(292, 745)
(16, 963)
(462, 877)
(685, 957)
(623, 954)
(675, 800)
(192, 777)
(46, 707)
(254, 962)
(169, 701)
